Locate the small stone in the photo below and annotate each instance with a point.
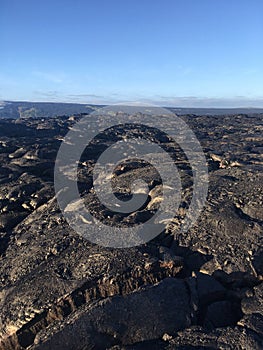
(167, 337)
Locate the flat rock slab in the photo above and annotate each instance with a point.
(143, 315)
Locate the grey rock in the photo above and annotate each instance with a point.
(144, 315)
(51, 279)
(221, 314)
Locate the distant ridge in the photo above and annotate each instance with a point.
(22, 109)
(215, 111)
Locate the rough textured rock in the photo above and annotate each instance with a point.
(222, 338)
(198, 338)
(142, 315)
(55, 286)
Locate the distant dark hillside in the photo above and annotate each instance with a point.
(215, 111)
(42, 109)
(15, 110)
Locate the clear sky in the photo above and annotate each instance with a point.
(168, 52)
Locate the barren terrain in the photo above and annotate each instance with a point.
(200, 290)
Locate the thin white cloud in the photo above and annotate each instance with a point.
(50, 76)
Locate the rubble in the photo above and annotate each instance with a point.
(198, 289)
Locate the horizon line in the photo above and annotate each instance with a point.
(127, 103)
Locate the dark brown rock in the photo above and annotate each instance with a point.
(146, 314)
(50, 276)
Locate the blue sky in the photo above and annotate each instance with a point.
(172, 52)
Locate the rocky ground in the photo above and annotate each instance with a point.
(198, 290)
